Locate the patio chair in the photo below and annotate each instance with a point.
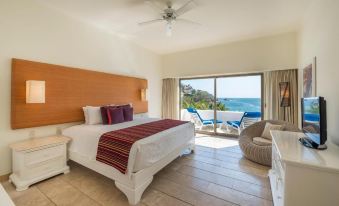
(246, 120)
(198, 120)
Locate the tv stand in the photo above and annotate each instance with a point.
(308, 143)
(301, 175)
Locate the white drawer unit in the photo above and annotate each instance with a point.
(37, 159)
(303, 176)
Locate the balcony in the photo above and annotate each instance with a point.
(222, 116)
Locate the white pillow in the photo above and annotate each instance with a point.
(85, 114)
(267, 131)
(93, 115)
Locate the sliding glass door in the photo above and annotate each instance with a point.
(221, 105)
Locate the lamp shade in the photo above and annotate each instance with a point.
(35, 91)
(143, 94)
(285, 94)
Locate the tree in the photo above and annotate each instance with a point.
(199, 99)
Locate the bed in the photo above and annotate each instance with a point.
(147, 156)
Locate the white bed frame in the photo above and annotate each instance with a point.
(135, 184)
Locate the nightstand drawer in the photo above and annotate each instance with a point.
(43, 168)
(39, 156)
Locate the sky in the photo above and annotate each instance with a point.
(230, 87)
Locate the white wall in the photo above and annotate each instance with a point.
(267, 53)
(319, 36)
(30, 31)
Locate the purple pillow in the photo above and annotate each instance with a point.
(115, 115)
(128, 113)
(103, 111)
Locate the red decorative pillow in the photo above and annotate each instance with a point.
(104, 110)
(104, 116)
(115, 115)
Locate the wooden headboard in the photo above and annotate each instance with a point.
(67, 91)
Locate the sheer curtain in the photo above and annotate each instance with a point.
(273, 111)
(170, 98)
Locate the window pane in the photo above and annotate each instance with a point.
(237, 96)
(197, 100)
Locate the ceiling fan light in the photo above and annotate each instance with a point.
(169, 29)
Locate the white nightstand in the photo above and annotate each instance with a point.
(38, 159)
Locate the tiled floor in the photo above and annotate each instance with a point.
(216, 174)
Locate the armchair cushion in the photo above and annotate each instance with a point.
(267, 131)
(262, 141)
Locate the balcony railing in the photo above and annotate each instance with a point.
(222, 116)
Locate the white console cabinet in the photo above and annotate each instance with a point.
(5, 200)
(302, 176)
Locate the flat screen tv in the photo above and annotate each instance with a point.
(314, 122)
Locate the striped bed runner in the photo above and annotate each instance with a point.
(114, 147)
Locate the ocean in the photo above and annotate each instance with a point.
(242, 104)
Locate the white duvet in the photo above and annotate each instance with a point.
(144, 152)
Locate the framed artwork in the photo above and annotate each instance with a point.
(309, 79)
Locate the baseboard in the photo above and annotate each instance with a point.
(4, 178)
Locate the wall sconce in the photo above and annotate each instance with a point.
(35, 91)
(143, 93)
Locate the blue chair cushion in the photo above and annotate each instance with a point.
(207, 122)
(204, 121)
(192, 110)
(234, 123)
(218, 121)
(210, 121)
(252, 114)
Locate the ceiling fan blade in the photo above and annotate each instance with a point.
(188, 22)
(186, 7)
(150, 22)
(154, 6)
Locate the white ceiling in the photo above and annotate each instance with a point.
(222, 20)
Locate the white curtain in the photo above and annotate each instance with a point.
(273, 111)
(170, 98)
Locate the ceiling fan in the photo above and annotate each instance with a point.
(170, 15)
